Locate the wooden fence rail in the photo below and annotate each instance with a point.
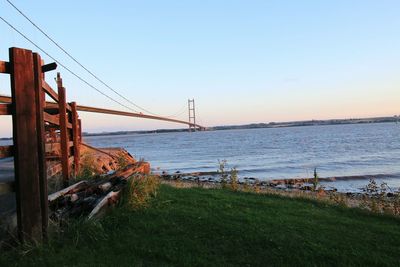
(41, 133)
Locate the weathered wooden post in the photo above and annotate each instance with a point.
(26, 156)
(80, 130)
(62, 103)
(75, 138)
(41, 139)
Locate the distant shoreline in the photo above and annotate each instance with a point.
(394, 119)
(261, 125)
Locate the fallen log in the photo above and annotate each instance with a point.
(71, 189)
(110, 198)
(94, 196)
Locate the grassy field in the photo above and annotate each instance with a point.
(200, 227)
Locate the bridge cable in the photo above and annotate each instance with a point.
(77, 62)
(65, 67)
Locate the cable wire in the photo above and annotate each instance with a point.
(65, 67)
(77, 62)
(179, 112)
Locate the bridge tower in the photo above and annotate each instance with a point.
(192, 115)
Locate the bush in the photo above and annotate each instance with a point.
(233, 182)
(222, 172)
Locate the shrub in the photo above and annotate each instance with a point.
(221, 171)
(233, 181)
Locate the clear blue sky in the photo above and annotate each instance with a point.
(242, 61)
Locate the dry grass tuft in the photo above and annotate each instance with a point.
(141, 188)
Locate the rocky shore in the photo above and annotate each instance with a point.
(374, 197)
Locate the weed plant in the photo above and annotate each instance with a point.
(87, 167)
(233, 181)
(141, 188)
(222, 172)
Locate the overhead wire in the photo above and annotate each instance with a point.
(77, 62)
(65, 67)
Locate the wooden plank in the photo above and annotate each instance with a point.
(53, 157)
(80, 131)
(53, 119)
(49, 67)
(6, 151)
(57, 168)
(75, 138)
(65, 191)
(5, 99)
(47, 88)
(51, 106)
(40, 102)
(63, 129)
(52, 147)
(4, 67)
(29, 218)
(5, 109)
(68, 107)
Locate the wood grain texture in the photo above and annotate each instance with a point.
(25, 145)
(63, 130)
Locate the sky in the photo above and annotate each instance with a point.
(242, 61)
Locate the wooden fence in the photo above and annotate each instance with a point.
(45, 134)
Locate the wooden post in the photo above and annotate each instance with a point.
(40, 102)
(75, 138)
(26, 162)
(62, 103)
(80, 130)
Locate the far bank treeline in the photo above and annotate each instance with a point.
(394, 119)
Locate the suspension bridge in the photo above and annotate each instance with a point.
(47, 130)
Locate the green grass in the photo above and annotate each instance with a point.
(214, 227)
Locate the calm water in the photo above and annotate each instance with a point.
(337, 150)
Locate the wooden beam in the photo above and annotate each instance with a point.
(80, 131)
(53, 119)
(40, 102)
(5, 109)
(47, 88)
(4, 67)
(29, 218)
(75, 138)
(51, 105)
(57, 168)
(63, 130)
(6, 151)
(49, 67)
(65, 191)
(51, 147)
(5, 99)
